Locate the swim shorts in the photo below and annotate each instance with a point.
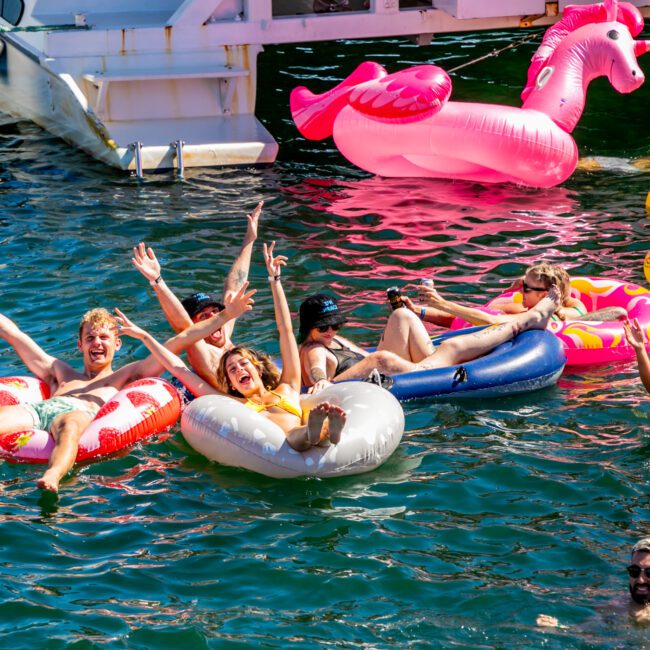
(43, 413)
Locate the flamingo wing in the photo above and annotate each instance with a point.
(406, 96)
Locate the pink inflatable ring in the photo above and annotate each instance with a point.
(599, 342)
(139, 410)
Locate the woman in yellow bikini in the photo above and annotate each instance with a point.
(250, 376)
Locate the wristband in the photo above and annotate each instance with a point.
(274, 278)
(158, 280)
(423, 313)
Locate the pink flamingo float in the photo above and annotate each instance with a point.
(402, 124)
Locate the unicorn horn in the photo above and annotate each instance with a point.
(641, 47)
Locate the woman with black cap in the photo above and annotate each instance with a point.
(405, 345)
(324, 355)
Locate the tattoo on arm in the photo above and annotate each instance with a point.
(317, 374)
(240, 278)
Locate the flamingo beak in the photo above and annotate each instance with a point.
(641, 47)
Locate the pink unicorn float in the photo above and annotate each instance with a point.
(402, 124)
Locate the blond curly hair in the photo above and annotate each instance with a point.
(553, 274)
(98, 317)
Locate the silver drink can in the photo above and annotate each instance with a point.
(427, 282)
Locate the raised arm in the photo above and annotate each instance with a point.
(636, 338)
(288, 346)
(144, 259)
(475, 316)
(152, 365)
(164, 357)
(238, 273)
(39, 363)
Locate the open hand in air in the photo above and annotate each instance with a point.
(144, 259)
(634, 333)
(240, 302)
(253, 221)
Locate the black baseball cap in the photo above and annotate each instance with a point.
(317, 311)
(197, 301)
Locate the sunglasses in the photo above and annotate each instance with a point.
(324, 328)
(635, 571)
(526, 288)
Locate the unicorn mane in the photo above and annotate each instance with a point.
(574, 17)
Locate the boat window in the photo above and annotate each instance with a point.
(12, 11)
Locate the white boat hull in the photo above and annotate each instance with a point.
(56, 103)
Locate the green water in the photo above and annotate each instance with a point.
(488, 514)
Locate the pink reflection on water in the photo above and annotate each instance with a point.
(466, 236)
(394, 227)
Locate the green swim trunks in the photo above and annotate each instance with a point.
(43, 413)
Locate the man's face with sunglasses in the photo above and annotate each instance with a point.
(639, 572)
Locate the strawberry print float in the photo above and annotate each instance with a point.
(139, 410)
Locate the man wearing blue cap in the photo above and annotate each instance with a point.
(203, 356)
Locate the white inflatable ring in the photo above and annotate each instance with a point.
(226, 431)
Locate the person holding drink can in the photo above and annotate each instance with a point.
(405, 346)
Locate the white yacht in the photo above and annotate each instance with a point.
(172, 83)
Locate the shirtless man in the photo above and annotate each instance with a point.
(76, 397)
(204, 356)
(638, 607)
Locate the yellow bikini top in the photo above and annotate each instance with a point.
(282, 403)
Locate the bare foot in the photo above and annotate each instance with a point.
(316, 421)
(49, 481)
(336, 422)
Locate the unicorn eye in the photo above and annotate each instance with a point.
(613, 34)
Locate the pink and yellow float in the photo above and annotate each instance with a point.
(141, 409)
(598, 342)
(402, 124)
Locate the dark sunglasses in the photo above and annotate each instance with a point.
(635, 571)
(324, 328)
(526, 288)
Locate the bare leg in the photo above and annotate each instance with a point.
(15, 418)
(406, 336)
(335, 423)
(382, 360)
(461, 348)
(316, 421)
(66, 430)
(471, 346)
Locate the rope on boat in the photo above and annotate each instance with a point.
(525, 39)
(42, 28)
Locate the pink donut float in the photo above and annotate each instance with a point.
(141, 409)
(594, 342)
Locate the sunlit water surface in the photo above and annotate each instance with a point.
(488, 513)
